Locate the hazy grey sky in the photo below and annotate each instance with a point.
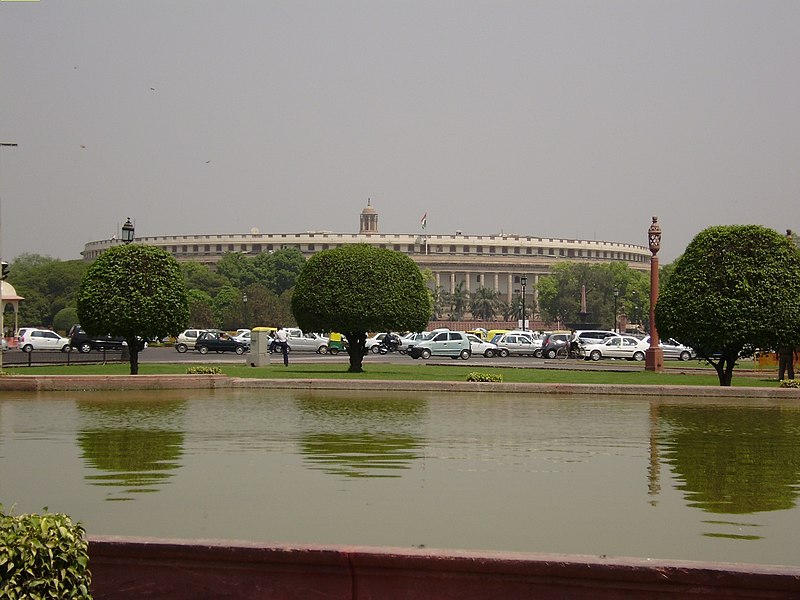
(546, 118)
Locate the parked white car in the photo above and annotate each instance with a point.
(620, 346)
(372, 343)
(480, 348)
(43, 339)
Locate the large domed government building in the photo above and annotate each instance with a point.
(496, 261)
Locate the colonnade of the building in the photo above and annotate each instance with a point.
(505, 284)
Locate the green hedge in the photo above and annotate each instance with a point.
(203, 371)
(484, 377)
(43, 556)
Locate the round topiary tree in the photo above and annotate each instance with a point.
(735, 289)
(136, 292)
(355, 289)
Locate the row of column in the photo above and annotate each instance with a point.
(491, 281)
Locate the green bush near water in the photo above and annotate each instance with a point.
(484, 377)
(202, 370)
(43, 556)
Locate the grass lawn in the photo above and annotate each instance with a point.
(673, 375)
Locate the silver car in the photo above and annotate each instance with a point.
(673, 350)
(521, 344)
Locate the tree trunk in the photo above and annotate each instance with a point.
(356, 348)
(724, 368)
(134, 347)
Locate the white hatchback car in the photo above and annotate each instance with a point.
(620, 346)
(43, 339)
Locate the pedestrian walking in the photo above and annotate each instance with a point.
(282, 341)
(785, 362)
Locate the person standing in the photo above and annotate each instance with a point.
(785, 362)
(282, 341)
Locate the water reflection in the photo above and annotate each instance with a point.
(733, 461)
(136, 444)
(361, 436)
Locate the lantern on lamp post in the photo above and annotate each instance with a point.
(127, 232)
(654, 355)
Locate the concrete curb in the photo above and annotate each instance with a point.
(160, 382)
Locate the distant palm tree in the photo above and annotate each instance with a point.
(484, 304)
(457, 300)
(513, 310)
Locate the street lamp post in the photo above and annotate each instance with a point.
(127, 232)
(244, 301)
(654, 356)
(616, 323)
(524, 282)
(3, 302)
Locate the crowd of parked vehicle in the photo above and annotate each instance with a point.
(591, 344)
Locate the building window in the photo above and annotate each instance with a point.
(219, 247)
(491, 249)
(184, 249)
(207, 248)
(194, 249)
(397, 247)
(230, 247)
(324, 246)
(466, 249)
(479, 249)
(516, 250)
(452, 249)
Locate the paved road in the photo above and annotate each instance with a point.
(169, 354)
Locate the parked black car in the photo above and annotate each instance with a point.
(219, 342)
(84, 342)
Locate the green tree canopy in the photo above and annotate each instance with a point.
(136, 292)
(736, 288)
(357, 288)
(48, 286)
(560, 292)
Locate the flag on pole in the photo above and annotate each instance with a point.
(424, 220)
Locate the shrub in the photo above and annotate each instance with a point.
(484, 377)
(790, 383)
(204, 371)
(43, 556)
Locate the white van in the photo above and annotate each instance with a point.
(454, 344)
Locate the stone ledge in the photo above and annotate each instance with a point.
(142, 568)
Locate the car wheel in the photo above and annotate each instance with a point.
(181, 348)
(239, 350)
(638, 356)
(551, 353)
(426, 354)
(465, 354)
(66, 348)
(27, 348)
(85, 347)
(415, 357)
(322, 350)
(202, 350)
(489, 353)
(595, 355)
(502, 353)
(537, 353)
(685, 355)
(333, 351)
(375, 349)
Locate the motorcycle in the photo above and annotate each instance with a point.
(389, 344)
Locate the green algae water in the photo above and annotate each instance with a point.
(662, 478)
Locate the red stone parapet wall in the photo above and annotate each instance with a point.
(135, 568)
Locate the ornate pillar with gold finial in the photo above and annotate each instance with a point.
(654, 356)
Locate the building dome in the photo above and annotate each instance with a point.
(8, 292)
(368, 221)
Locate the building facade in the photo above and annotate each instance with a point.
(495, 261)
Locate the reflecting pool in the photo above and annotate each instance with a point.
(660, 478)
